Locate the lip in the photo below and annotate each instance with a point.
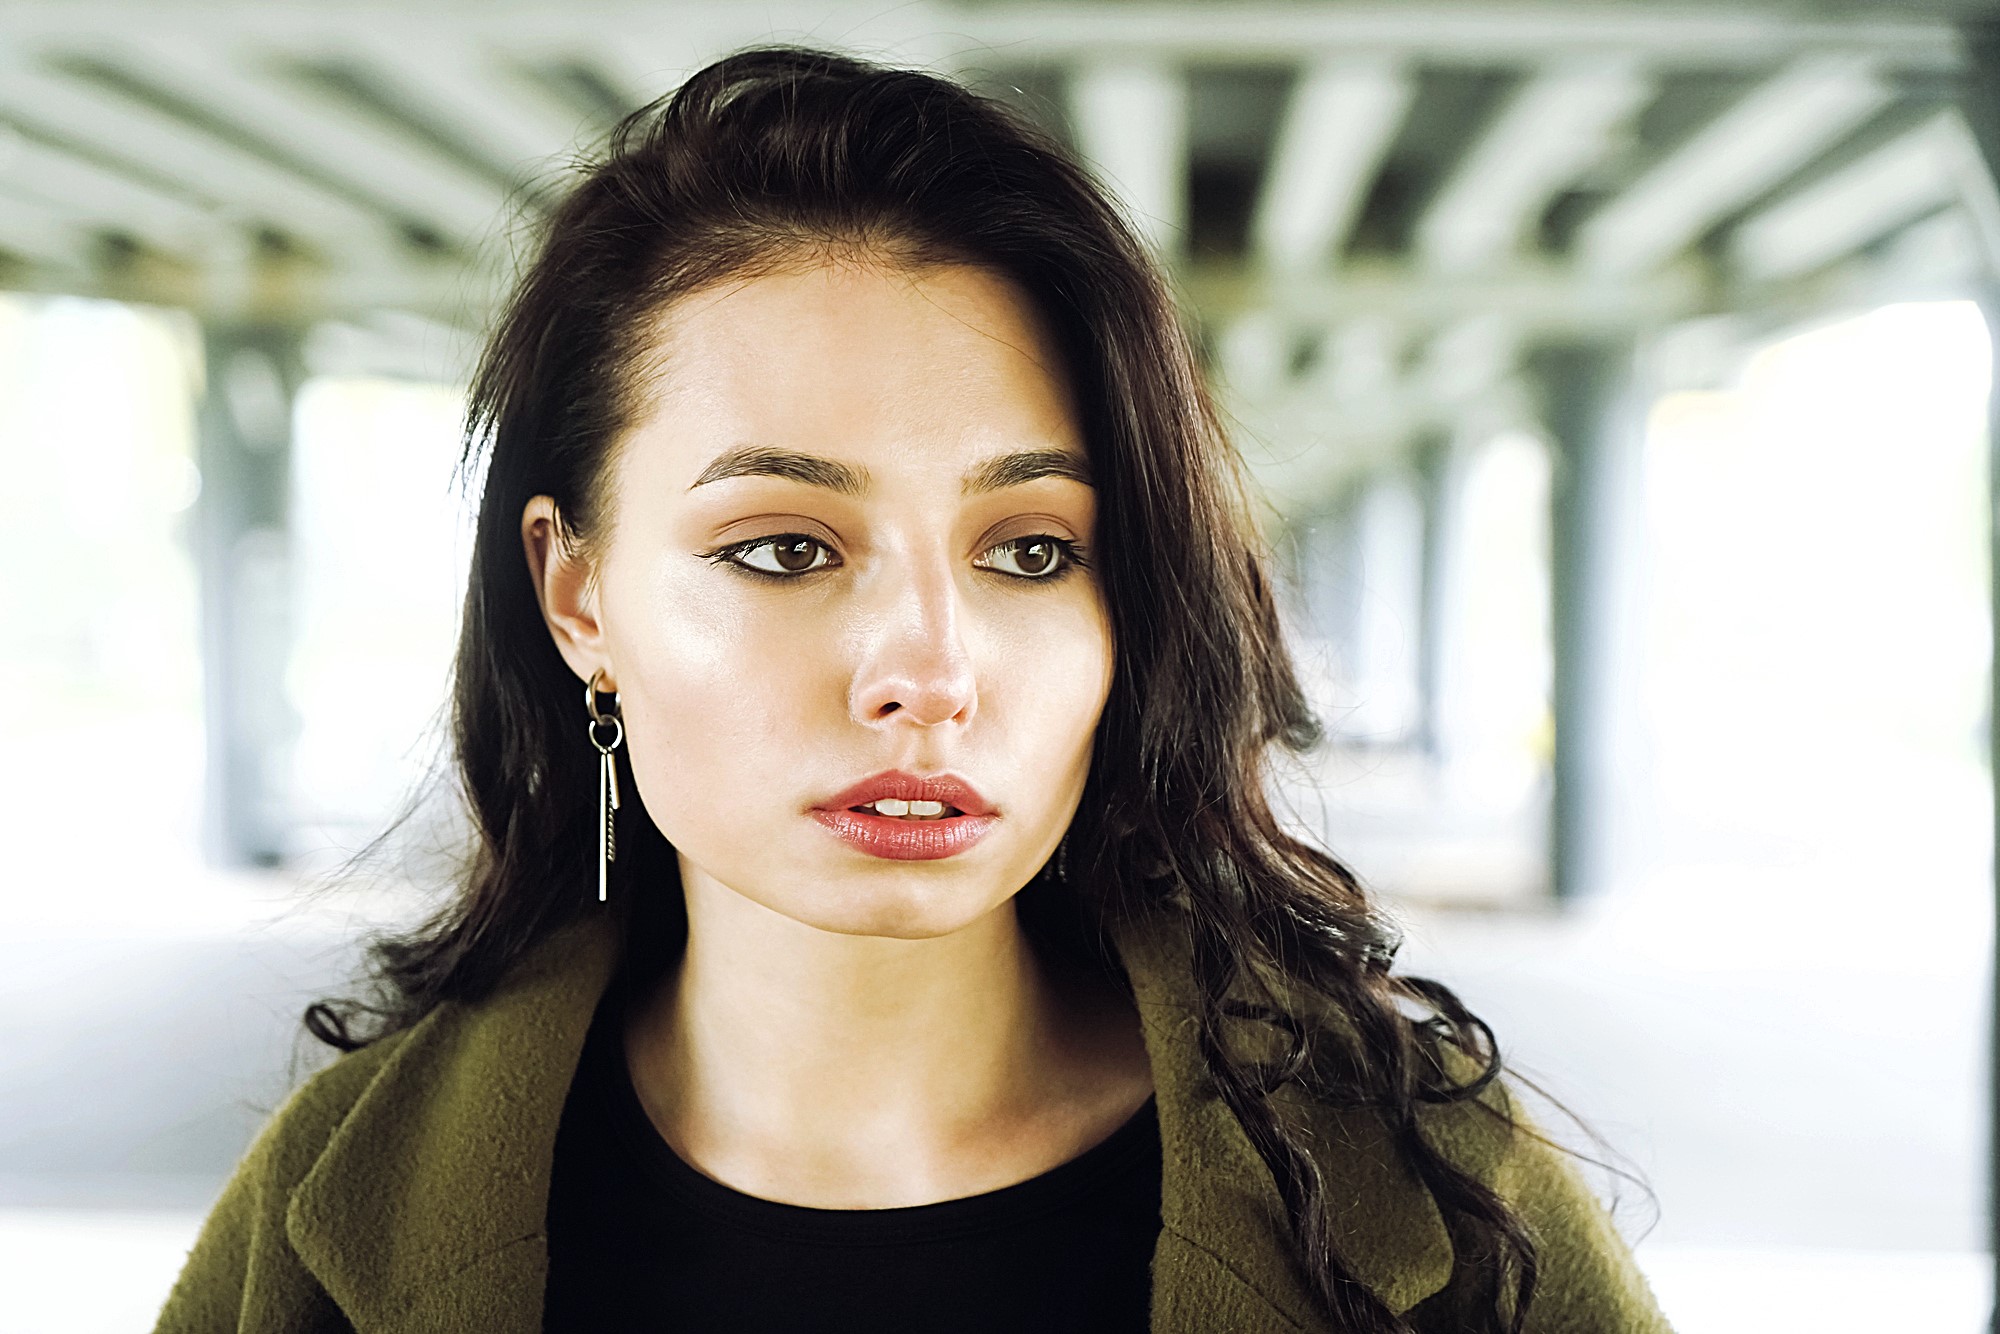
(947, 788)
(906, 840)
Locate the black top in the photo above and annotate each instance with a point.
(640, 1240)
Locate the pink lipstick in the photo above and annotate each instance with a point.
(965, 819)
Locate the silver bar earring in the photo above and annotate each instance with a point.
(607, 781)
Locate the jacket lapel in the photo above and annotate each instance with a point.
(1220, 1209)
(426, 1210)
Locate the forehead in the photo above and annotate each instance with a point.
(855, 358)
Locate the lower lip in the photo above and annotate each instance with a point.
(907, 840)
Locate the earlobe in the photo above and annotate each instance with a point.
(563, 587)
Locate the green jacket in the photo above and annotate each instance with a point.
(402, 1189)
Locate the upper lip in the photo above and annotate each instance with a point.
(947, 788)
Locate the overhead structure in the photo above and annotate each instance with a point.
(1338, 122)
(1314, 175)
(1561, 122)
(1382, 219)
(1131, 118)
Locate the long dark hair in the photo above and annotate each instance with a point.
(778, 154)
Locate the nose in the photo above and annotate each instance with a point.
(915, 660)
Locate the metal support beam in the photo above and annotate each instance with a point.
(1537, 296)
(244, 548)
(1340, 120)
(1561, 122)
(1585, 389)
(1774, 130)
(1431, 32)
(1700, 37)
(1836, 215)
(348, 152)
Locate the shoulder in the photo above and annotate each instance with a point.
(326, 1095)
(241, 1271)
(1587, 1276)
(292, 1140)
(295, 1134)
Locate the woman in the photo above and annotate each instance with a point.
(847, 452)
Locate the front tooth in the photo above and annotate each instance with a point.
(891, 806)
(926, 808)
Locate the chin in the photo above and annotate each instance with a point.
(900, 914)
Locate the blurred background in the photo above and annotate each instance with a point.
(1615, 375)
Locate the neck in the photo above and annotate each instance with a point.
(809, 1066)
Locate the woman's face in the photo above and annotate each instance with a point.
(901, 620)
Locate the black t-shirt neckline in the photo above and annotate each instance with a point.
(1050, 1192)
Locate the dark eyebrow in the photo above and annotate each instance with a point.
(993, 474)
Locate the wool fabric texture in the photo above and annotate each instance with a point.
(403, 1188)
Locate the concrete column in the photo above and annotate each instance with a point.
(244, 546)
(1596, 430)
(1324, 561)
(1979, 99)
(1436, 460)
(1388, 627)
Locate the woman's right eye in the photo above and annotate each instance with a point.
(792, 552)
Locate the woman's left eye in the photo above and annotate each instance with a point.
(1039, 553)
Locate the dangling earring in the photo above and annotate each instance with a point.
(607, 781)
(1062, 858)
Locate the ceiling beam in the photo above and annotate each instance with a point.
(506, 118)
(1703, 37)
(1941, 252)
(1777, 128)
(1708, 38)
(655, 53)
(1977, 191)
(1904, 179)
(45, 237)
(1341, 118)
(348, 149)
(1940, 258)
(1130, 115)
(250, 191)
(93, 195)
(1535, 296)
(1563, 121)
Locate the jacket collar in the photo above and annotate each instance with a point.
(426, 1208)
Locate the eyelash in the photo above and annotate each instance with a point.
(1074, 557)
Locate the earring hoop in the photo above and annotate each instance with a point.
(590, 693)
(607, 781)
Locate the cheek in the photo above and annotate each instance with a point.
(1044, 690)
(711, 698)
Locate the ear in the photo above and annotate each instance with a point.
(568, 593)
